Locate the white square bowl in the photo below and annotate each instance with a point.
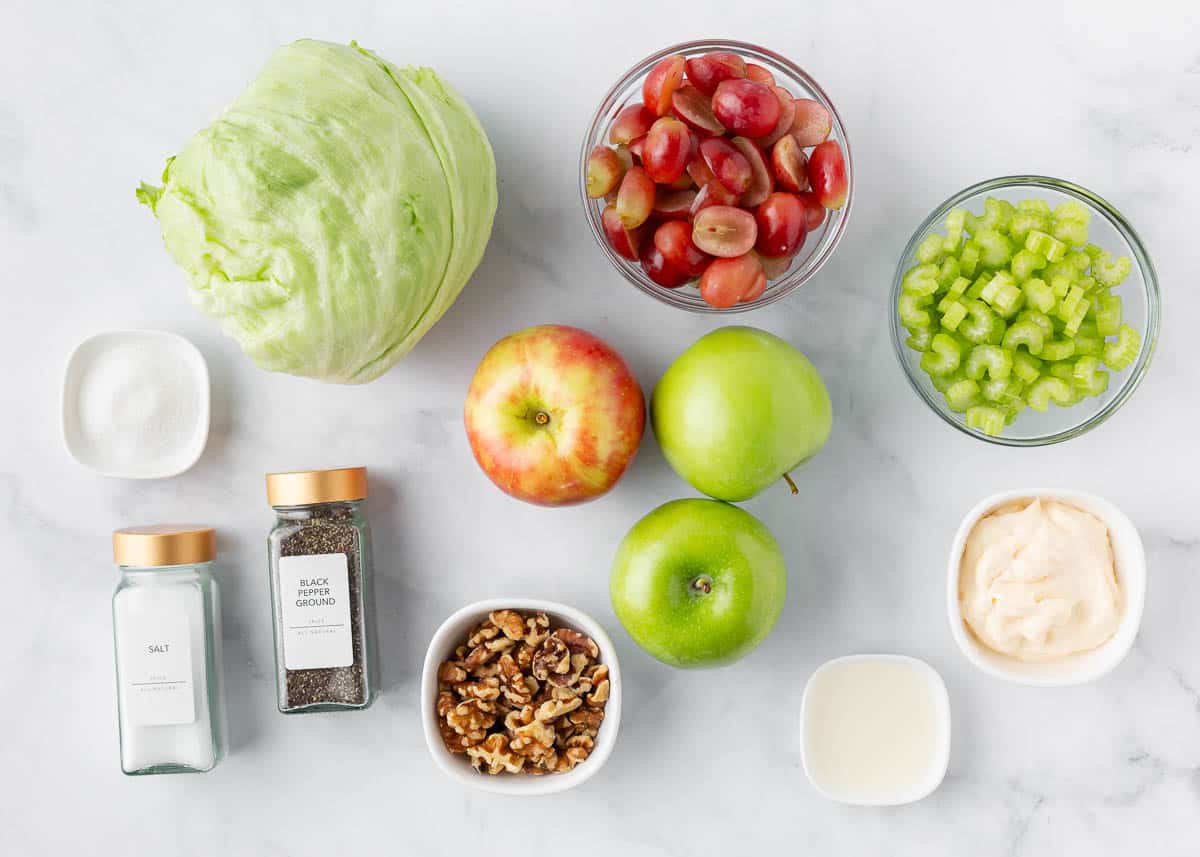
(1130, 559)
(94, 349)
(938, 763)
(452, 633)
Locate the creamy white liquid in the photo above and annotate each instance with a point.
(875, 730)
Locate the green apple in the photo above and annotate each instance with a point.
(698, 583)
(738, 411)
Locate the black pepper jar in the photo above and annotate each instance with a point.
(320, 561)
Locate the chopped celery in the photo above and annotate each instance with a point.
(1078, 260)
(1093, 252)
(948, 272)
(943, 356)
(1002, 390)
(1037, 294)
(1024, 333)
(1036, 206)
(1040, 319)
(962, 394)
(1071, 300)
(912, 312)
(920, 280)
(968, 262)
(1046, 389)
(1039, 242)
(953, 315)
(959, 286)
(1088, 344)
(994, 248)
(1062, 269)
(942, 383)
(1076, 318)
(1073, 233)
(1024, 263)
(1110, 272)
(1073, 210)
(979, 323)
(992, 359)
(920, 338)
(1057, 349)
(1060, 284)
(1026, 367)
(1089, 378)
(1121, 353)
(997, 215)
(1108, 314)
(1024, 222)
(978, 286)
(1064, 369)
(956, 221)
(986, 419)
(930, 249)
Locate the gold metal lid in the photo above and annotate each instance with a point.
(306, 487)
(164, 544)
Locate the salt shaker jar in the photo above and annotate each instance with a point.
(320, 566)
(167, 639)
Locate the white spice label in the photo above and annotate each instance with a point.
(156, 668)
(315, 596)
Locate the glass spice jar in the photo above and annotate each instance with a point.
(167, 641)
(320, 564)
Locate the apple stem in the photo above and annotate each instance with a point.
(787, 477)
(541, 418)
(703, 584)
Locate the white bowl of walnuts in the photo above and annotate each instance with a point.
(520, 696)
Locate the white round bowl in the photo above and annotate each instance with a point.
(452, 633)
(1130, 559)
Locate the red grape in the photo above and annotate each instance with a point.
(727, 164)
(827, 174)
(782, 225)
(746, 108)
(706, 71)
(722, 230)
(632, 122)
(665, 152)
(660, 84)
(695, 108)
(790, 164)
(635, 198)
(674, 240)
(725, 281)
(622, 240)
(761, 182)
(604, 171)
(812, 123)
(658, 269)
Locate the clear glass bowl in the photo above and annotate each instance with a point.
(820, 243)
(1139, 298)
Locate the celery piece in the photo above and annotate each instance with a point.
(1060, 285)
(1092, 251)
(912, 313)
(942, 383)
(1024, 263)
(968, 259)
(1088, 377)
(1024, 333)
(1024, 222)
(1073, 233)
(1036, 206)
(948, 273)
(1064, 369)
(959, 286)
(1012, 409)
(930, 249)
(1038, 295)
(978, 286)
(1078, 260)
(943, 356)
(1088, 344)
(1062, 269)
(962, 395)
(1098, 386)
(920, 338)
(997, 215)
(1071, 300)
(977, 327)
(1039, 242)
(953, 315)
(1121, 353)
(1046, 389)
(948, 301)
(1041, 320)
(1088, 284)
(984, 418)
(992, 359)
(1008, 300)
(956, 221)
(1057, 349)
(1110, 272)
(1108, 314)
(1002, 391)
(1077, 317)
(1026, 367)
(920, 280)
(994, 248)
(1073, 210)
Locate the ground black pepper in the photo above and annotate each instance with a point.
(330, 529)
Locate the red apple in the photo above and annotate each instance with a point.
(554, 415)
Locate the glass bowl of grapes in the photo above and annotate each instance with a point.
(1025, 310)
(716, 176)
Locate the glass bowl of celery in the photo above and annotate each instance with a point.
(1025, 310)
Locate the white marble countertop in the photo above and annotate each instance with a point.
(935, 98)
